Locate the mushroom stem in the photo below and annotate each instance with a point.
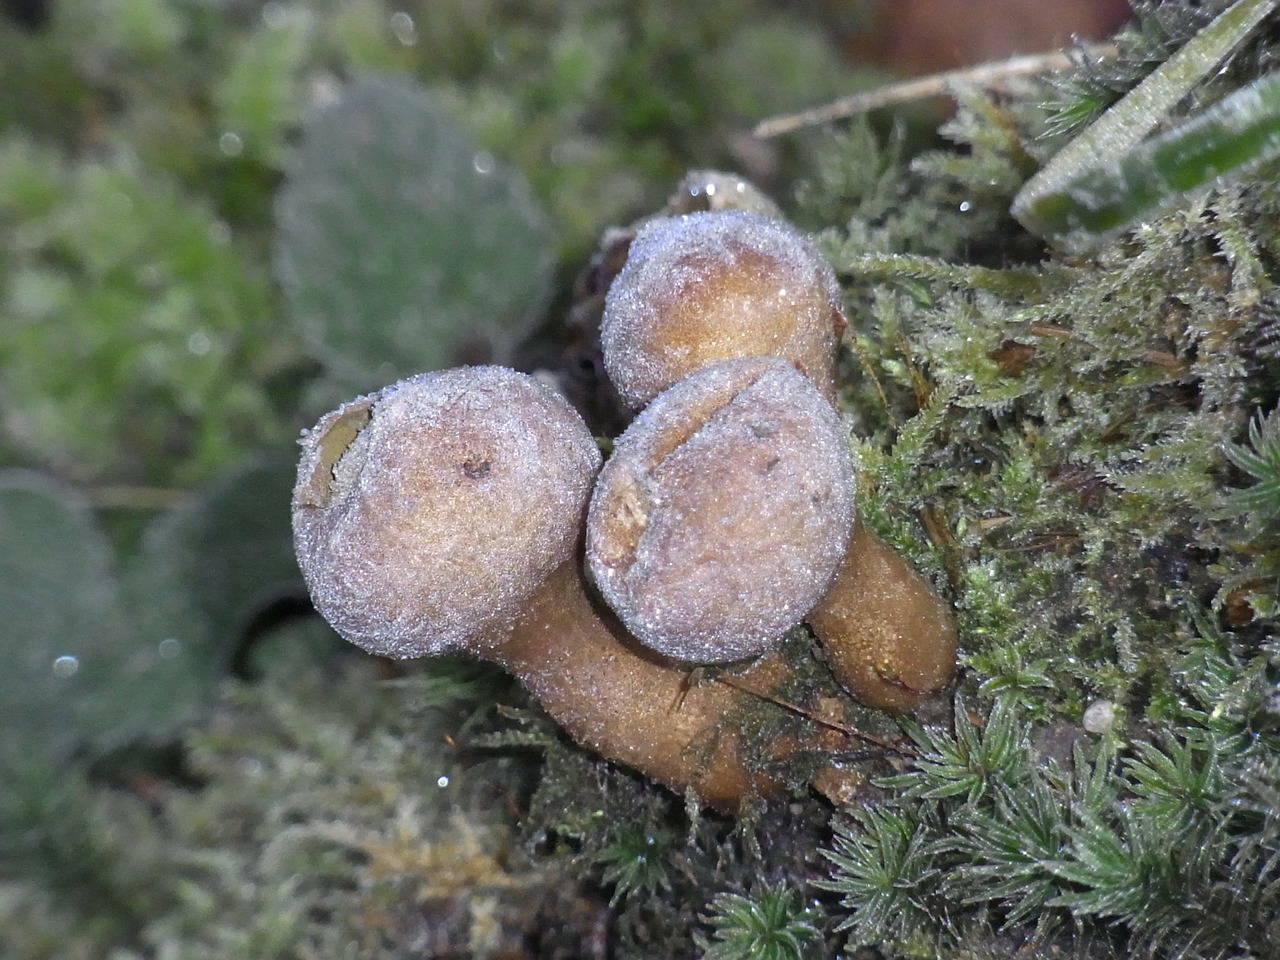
(888, 637)
(628, 703)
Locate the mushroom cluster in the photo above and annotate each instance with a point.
(452, 511)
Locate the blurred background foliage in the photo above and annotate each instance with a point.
(144, 142)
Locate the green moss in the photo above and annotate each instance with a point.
(1079, 452)
(771, 924)
(1064, 442)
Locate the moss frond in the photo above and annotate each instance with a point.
(770, 923)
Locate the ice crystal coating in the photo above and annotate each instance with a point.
(716, 285)
(723, 514)
(426, 515)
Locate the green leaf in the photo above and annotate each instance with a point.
(969, 764)
(882, 866)
(1107, 177)
(1179, 779)
(772, 923)
(1240, 132)
(402, 247)
(1260, 460)
(88, 660)
(73, 668)
(1002, 855)
(635, 862)
(208, 568)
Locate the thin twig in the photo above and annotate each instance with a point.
(123, 497)
(989, 76)
(848, 731)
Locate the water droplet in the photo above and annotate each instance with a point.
(275, 15)
(483, 163)
(251, 766)
(403, 27)
(965, 206)
(65, 666)
(442, 781)
(199, 343)
(231, 144)
(1099, 716)
(325, 91)
(169, 647)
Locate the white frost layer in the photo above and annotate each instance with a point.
(460, 493)
(716, 285)
(724, 512)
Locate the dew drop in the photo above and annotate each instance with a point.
(442, 781)
(483, 163)
(65, 666)
(1099, 716)
(231, 144)
(169, 647)
(251, 766)
(199, 343)
(274, 15)
(965, 206)
(404, 28)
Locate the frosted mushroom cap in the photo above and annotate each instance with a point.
(426, 515)
(723, 514)
(716, 285)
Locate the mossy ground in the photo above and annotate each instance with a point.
(1081, 453)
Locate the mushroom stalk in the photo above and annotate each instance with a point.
(887, 636)
(627, 703)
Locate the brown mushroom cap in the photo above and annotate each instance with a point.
(723, 514)
(715, 285)
(427, 514)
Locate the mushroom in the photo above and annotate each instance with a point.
(696, 289)
(887, 636)
(424, 515)
(716, 285)
(445, 513)
(718, 190)
(723, 514)
(723, 518)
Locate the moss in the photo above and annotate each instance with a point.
(1079, 452)
(1064, 441)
